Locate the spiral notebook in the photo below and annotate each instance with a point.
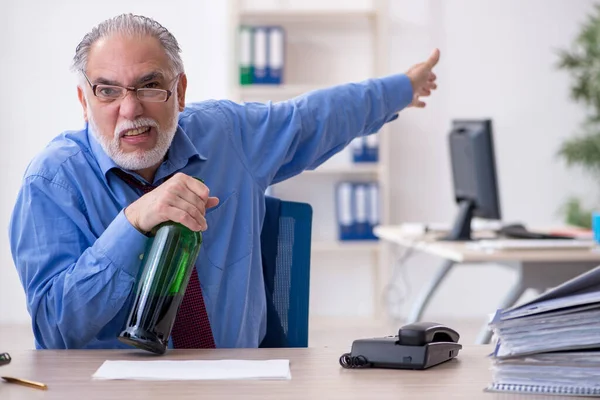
(543, 389)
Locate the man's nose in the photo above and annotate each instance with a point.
(131, 107)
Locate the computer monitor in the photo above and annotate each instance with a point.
(474, 175)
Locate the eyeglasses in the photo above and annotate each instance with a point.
(113, 92)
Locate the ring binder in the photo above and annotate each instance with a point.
(551, 344)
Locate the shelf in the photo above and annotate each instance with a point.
(351, 169)
(345, 246)
(299, 15)
(278, 91)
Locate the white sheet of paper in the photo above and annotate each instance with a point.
(194, 370)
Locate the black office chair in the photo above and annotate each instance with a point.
(285, 246)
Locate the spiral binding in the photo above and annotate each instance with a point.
(511, 387)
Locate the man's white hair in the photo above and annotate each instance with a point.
(131, 25)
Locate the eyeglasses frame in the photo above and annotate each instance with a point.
(132, 89)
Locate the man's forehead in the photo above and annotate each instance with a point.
(127, 59)
(111, 78)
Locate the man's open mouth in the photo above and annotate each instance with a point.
(136, 132)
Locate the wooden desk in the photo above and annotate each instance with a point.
(536, 269)
(316, 374)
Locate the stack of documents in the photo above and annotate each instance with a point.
(551, 345)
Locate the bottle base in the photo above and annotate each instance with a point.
(144, 340)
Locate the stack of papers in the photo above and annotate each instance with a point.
(551, 344)
(194, 370)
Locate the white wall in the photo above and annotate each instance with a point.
(497, 61)
(40, 98)
(497, 58)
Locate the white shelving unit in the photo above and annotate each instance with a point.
(358, 49)
(287, 16)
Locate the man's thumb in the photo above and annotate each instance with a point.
(433, 58)
(212, 202)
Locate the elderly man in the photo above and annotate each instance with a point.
(84, 210)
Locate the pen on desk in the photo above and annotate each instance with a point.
(25, 382)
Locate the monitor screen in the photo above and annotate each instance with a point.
(474, 178)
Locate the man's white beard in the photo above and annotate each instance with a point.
(138, 159)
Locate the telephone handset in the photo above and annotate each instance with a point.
(421, 333)
(417, 346)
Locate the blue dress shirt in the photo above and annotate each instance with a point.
(78, 256)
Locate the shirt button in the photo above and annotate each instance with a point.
(142, 256)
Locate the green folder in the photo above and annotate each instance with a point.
(245, 54)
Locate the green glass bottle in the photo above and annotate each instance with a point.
(167, 265)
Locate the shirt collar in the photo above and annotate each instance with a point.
(180, 152)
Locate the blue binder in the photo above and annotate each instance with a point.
(260, 55)
(269, 54)
(358, 149)
(357, 209)
(365, 149)
(275, 55)
(371, 150)
(345, 211)
(361, 210)
(373, 206)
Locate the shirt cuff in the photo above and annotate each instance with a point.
(398, 91)
(123, 245)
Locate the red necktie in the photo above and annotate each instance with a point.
(192, 328)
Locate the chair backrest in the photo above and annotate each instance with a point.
(285, 245)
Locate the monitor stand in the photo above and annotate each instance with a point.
(461, 230)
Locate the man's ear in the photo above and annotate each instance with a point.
(83, 102)
(181, 87)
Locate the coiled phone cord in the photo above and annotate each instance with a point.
(348, 361)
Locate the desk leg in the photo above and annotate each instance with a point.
(515, 293)
(425, 296)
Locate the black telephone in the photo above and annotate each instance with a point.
(417, 346)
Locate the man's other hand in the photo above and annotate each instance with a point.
(423, 79)
(182, 199)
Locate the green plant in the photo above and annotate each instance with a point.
(582, 61)
(576, 214)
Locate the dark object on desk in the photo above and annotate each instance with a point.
(417, 346)
(474, 175)
(4, 358)
(519, 231)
